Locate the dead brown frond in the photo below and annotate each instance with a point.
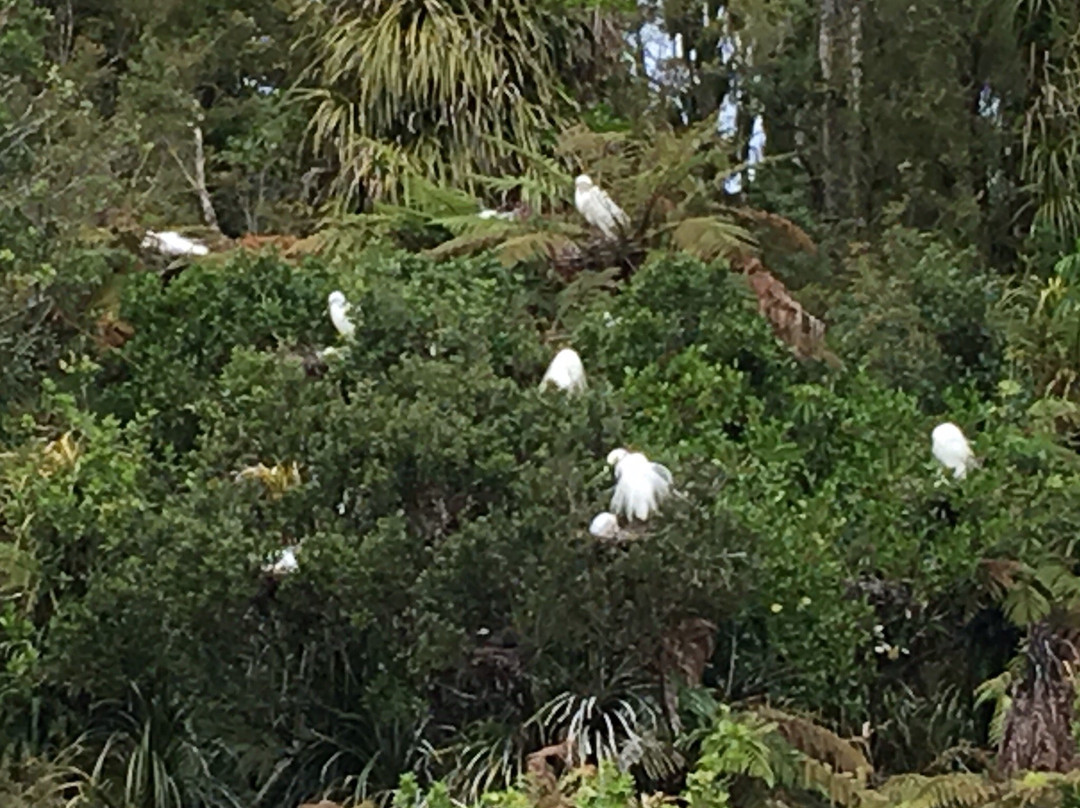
(801, 331)
(540, 768)
(684, 653)
(818, 742)
(1001, 571)
(251, 241)
(789, 234)
(112, 332)
(842, 788)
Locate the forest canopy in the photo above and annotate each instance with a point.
(263, 546)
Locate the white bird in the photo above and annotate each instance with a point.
(952, 449)
(283, 562)
(170, 242)
(640, 484)
(598, 208)
(604, 525)
(565, 372)
(488, 213)
(339, 314)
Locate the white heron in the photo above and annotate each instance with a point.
(283, 562)
(952, 449)
(598, 208)
(565, 372)
(488, 213)
(604, 525)
(339, 314)
(170, 242)
(640, 484)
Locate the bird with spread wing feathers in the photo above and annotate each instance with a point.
(640, 484)
(598, 208)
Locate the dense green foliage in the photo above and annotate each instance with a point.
(821, 613)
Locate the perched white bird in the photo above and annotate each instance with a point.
(339, 314)
(598, 208)
(604, 525)
(488, 213)
(952, 450)
(170, 242)
(640, 484)
(283, 562)
(565, 372)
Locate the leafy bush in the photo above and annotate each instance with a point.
(441, 499)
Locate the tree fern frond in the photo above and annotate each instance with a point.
(530, 246)
(841, 788)
(433, 199)
(788, 232)
(996, 691)
(709, 238)
(818, 742)
(954, 790)
(469, 243)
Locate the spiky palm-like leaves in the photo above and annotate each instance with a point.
(439, 86)
(152, 758)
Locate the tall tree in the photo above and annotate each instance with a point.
(445, 87)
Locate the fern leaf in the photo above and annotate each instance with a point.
(841, 788)
(1025, 605)
(817, 742)
(996, 690)
(529, 246)
(466, 244)
(788, 233)
(956, 790)
(425, 196)
(709, 238)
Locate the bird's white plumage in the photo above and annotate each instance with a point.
(488, 213)
(170, 242)
(604, 525)
(598, 208)
(565, 372)
(640, 484)
(339, 314)
(952, 449)
(283, 562)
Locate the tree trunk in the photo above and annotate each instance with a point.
(840, 59)
(1038, 727)
(209, 214)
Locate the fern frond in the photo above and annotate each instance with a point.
(787, 231)
(427, 197)
(841, 788)
(529, 246)
(817, 742)
(996, 691)
(955, 790)
(466, 244)
(709, 238)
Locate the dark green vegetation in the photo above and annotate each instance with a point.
(825, 615)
